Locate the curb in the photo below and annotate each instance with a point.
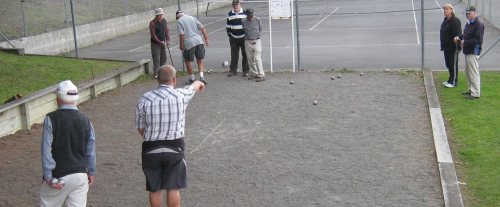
(449, 182)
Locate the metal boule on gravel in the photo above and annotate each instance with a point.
(361, 74)
(315, 102)
(225, 64)
(333, 77)
(291, 82)
(338, 76)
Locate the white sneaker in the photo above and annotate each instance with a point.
(447, 85)
(444, 83)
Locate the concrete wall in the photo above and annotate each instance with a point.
(61, 41)
(31, 109)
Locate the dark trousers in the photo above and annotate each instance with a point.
(236, 46)
(451, 60)
(159, 56)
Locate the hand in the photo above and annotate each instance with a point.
(206, 42)
(462, 43)
(181, 47)
(198, 86)
(57, 186)
(91, 179)
(168, 43)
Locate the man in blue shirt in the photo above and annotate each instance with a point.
(68, 152)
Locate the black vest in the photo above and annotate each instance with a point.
(71, 132)
(160, 29)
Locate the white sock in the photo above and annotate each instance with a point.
(201, 74)
(191, 77)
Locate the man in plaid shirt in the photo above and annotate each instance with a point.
(160, 119)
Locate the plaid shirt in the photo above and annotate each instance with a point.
(161, 112)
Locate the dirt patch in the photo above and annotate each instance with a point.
(368, 142)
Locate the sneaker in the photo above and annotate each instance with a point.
(260, 79)
(202, 79)
(444, 83)
(468, 96)
(447, 85)
(189, 81)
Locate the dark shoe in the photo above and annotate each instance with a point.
(189, 81)
(468, 96)
(244, 75)
(252, 77)
(466, 93)
(260, 79)
(202, 79)
(231, 73)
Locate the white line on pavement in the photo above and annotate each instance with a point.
(323, 19)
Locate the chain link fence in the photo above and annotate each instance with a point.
(488, 9)
(22, 18)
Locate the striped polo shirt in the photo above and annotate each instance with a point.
(233, 26)
(162, 112)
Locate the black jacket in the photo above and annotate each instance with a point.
(450, 28)
(473, 37)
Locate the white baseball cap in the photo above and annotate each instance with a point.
(67, 91)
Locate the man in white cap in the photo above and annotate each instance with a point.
(191, 44)
(160, 37)
(68, 152)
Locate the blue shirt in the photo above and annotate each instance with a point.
(190, 27)
(48, 162)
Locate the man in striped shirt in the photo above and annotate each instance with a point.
(236, 35)
(160, 120)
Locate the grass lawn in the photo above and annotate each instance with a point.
(27, 74)
(474, 130)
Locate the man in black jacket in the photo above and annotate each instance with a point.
(450, 28)
(471, 41)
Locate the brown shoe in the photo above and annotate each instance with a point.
(260, 79)
(231, 73)
(244, 75)
(253, 77)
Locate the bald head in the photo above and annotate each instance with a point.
(166, 75)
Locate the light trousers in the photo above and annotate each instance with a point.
(253, 48)
(472, 74)
(73, 194)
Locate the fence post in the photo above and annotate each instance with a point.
(25, 116)
(24, 19)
